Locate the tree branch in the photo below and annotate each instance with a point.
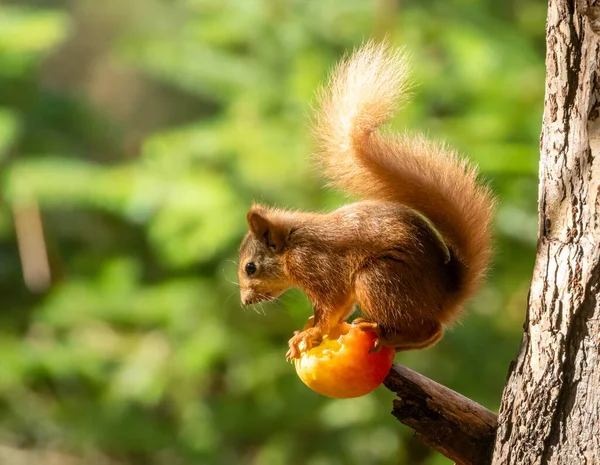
(454, 425)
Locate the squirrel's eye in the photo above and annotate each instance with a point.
(250, 268)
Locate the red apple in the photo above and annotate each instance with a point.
(342, 366)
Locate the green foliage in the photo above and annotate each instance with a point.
(25, 35)
(144, 129)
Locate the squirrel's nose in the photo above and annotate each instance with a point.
(245, 297)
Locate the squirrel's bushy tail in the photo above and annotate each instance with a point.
(363, 93)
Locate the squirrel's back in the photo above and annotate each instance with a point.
(364, 93)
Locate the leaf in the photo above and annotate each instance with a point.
(25, 34)
(9, 130)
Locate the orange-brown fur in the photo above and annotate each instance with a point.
(408, 277)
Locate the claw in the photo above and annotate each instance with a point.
(302, 340)
(376, 347)
(291, 354)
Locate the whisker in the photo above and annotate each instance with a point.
(225, 276)
(262, 310)
(229, 296)
(277, 304)
(252, 306)
(229, 280)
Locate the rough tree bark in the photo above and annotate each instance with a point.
(455, 426)
(550, 411)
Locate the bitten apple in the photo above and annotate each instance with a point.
(342, 365)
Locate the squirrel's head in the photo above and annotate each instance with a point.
(261, 270)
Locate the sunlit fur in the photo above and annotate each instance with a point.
(379, 253)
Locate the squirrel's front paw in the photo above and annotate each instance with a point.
(303, 341)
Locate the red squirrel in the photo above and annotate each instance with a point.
(409, 254)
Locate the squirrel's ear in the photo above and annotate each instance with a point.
(265, 230)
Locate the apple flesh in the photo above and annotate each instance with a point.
(342, 365)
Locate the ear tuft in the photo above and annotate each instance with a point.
(257, 222)
(265, 230)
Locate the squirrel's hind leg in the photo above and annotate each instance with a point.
(427, 334)
(386, 292)
(430, 333)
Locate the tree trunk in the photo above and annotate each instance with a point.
(550, 409)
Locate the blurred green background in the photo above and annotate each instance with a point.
(138, 132)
